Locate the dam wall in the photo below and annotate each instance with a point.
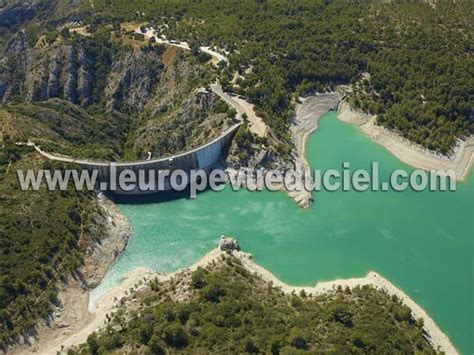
(202, 157)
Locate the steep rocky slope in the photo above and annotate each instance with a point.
(79, 70)
(86, 97)
(52, 242)
(109, 100)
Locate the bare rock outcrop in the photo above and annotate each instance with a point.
(228, 244)
(132, 79)
(74, 71)
(194, 122)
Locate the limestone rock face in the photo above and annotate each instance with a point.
(193, 123)
(75, 73)
(63, 72)
(161, 89)
(17, 44)
(228, 244)
(132, 79)
(11, 61)
(304, 199)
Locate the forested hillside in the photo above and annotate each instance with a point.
(107, 95)
(225, 309)
(77, 80)
(104, 95)
(419, 56)
(43, 236)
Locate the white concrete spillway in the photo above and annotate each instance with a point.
(202, 157)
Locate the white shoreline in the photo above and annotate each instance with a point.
(437, 338)
(72, 315)
(110, 302)
(408, 152)
(307, 115)
(398, 146)
(106, 304)
(305, 121)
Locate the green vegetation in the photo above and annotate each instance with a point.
(225, 309)
(419, 56)
(244, 144)
(126, 97)
(179, 115)
(43, 236)
(411, 64)
(68, 129)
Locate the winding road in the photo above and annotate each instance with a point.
(256, 124)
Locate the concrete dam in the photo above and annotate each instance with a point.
(202, 157)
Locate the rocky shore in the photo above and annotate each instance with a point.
(139, 278)
(71, 313)
(306, 120)
(408, 152)
(435, 335)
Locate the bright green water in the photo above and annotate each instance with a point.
(421, 241)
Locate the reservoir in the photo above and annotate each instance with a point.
(423, 242)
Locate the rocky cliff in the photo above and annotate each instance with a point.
(132, 79)
(81, 71)
(108, 99)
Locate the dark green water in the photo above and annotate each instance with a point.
(422, 241)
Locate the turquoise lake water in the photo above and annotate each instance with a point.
(421, 241)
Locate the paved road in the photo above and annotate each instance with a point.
(239, 104)
(256, 124)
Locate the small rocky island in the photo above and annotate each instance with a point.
(228, 244)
